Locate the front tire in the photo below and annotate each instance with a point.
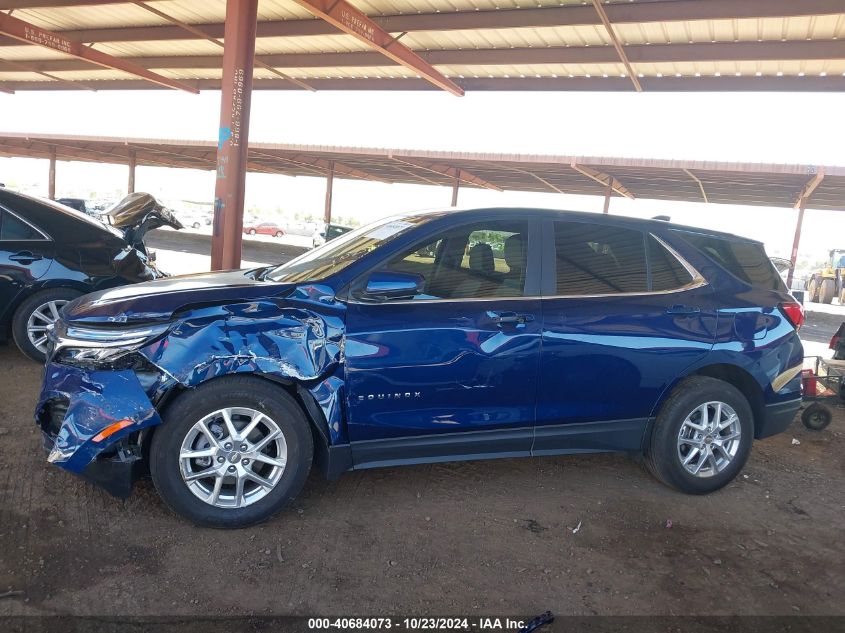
(702, 436)
(231, 453)
(279, 234)
(34, 315)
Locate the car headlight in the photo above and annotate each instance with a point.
(100, 346)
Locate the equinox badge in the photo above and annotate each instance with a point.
(407, 395)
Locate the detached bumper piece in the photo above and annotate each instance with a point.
(89, 434)
(115, 473)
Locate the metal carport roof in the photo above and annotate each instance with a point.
(774, 185)
(477, 44)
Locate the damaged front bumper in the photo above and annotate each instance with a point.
(93, 421)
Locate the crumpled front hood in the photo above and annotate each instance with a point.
(158, 300)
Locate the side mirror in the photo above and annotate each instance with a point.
(383, 285)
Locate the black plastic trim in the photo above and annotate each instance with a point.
(446, 447)
(590, 437)
(776, 418)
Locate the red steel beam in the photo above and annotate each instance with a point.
(350, 20)
(31, 34)
(618, 46)
(567, 15)
(51, 175)
(801, 204)
(640, 53)
(327, 212)
(200, 33)
(133, 162)
(446, 170)
(602, 179)
(233, 141)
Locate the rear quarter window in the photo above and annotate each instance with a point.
(745, 260)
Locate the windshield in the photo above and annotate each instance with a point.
(346, 249)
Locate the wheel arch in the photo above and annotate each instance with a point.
(303, 397)
(734, 375)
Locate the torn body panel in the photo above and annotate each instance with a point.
(296, 340)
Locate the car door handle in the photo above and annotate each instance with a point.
(509, 317)
(24, 257)
(680, 310)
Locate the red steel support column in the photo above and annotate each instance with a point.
(327, 213)
(795, 242)
(456, 184)
(51, 178)
(130, 187)
(607, 193)
(232, 144)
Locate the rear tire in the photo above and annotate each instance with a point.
(252, 231)
(189, 425)
(279, 234)
(827, 291)
(674, 449)
(27, 319)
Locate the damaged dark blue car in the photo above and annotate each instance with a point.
(428, 337)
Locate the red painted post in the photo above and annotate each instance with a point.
(795, 242)
(327, 213)
(51, 177)
(130, 187)
(456, 184)
(607, 193)
(232, 143)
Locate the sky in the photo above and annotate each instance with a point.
(800, 128)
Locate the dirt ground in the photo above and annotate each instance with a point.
(577, 535)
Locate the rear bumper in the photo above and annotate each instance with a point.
(776, 418)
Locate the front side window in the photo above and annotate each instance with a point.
(483, 260)
(12, 228)
(591, 259)
(343, 251)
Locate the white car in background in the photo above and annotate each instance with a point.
(193, 219)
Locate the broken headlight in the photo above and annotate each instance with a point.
(106, 347)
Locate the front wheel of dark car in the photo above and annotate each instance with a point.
(232, 452)
(702, 436)
(35, 316)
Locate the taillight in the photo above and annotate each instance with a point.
(794, 311)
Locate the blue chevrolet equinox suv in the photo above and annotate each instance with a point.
(428, 337)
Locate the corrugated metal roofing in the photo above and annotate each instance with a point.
(772, 185)
(480, 44)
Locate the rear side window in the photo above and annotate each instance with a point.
(11, 228)
(667, 273)
(746, 260)
(591, 259)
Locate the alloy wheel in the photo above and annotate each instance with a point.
(233, 457)
(40, 321)
(709, 439)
